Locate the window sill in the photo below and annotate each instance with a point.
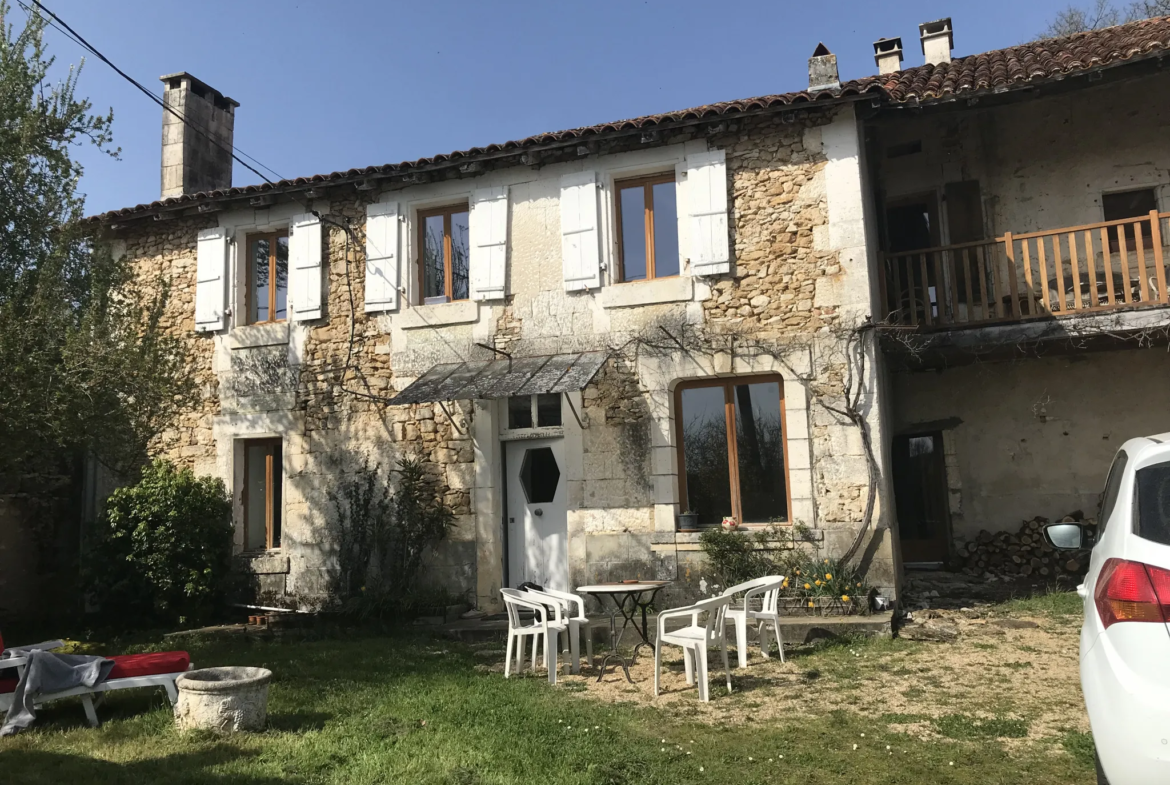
(252, 335)
(265, 562)
(679, 288)
(459, 312)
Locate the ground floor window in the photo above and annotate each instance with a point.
(731, 449)
(262, 485)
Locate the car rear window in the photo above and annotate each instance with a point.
(1152, 499)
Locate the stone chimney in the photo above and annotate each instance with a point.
(196, 155)
(937, 40)
(822, 70)
(887, 52)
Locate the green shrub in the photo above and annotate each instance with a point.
(161, 551)
(734, 557)
(738, 556)
(380, 538)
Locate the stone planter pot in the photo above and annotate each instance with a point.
(223, 699)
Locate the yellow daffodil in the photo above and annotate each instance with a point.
(818, 583)
(812, 604)
(798, 572)
(826, 561)
(828, 576)
(844, 598)
(807, 586)
(859, 584)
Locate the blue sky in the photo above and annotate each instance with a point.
(344, 83)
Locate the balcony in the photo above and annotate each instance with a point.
(1088, 269)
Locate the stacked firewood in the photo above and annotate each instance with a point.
(1021, 554)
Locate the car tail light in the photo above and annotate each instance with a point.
(1132, 591)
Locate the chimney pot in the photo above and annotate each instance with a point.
(938, 40)
(196, 154)
(822, 70)
(887, 53)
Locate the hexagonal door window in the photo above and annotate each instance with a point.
(539, 475)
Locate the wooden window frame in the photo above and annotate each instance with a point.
(271, 471)
(647, 182)
(729, 383)
(272, 238)
(446, 211)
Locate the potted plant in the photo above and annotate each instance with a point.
(688, 521)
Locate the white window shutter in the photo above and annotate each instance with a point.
(488, 224)
(211, 280)
(304, 267)
(382, 256)
(580, 239)
(706, 209)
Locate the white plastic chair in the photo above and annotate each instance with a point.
(768, 590)
(573, 612)
(540, 627)
(694, 639)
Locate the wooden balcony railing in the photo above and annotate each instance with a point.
(1079, 269)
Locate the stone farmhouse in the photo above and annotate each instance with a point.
(887, 313)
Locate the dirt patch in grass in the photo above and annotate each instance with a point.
(1018, 685)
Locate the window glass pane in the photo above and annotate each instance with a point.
(281, 278)
(548, 409)
(258, 281)
(665, 231)
(633, 202)
(277, 485)
(520, 411)
(540, 475)
(1112, 489)
(460, 256)
(760, 447)
(256, 505)
(434, 284)
(1153, 503)
(704, 427)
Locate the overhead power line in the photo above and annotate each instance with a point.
(63, 27)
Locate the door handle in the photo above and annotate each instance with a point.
(538, 512)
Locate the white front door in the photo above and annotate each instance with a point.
(538, 527)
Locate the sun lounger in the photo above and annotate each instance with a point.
(159, 669)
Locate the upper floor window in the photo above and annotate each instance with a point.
(647, 228)
(1129, 204)
(444, 253)
(267, 290)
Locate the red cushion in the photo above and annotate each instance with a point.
(129, 665)
(155, 664)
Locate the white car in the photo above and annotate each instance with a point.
(1125, 640)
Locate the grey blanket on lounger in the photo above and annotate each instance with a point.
(44, 674)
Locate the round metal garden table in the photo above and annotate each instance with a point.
(626, 598)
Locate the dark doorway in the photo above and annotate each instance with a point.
(912, 223)
(920, 491)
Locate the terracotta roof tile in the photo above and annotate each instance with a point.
(995, 71)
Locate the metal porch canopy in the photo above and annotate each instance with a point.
(553, 373)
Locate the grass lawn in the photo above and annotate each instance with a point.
(409, 708)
